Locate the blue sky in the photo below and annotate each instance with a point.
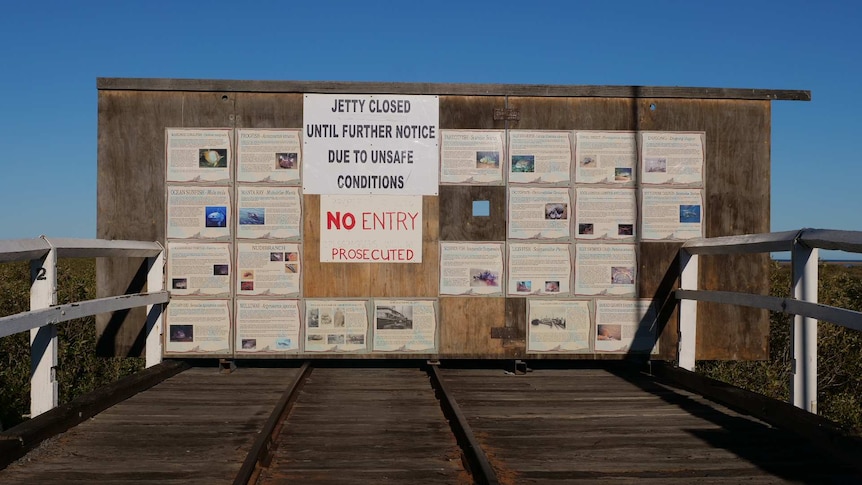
(52, 53)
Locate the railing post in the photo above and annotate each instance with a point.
(155, 282)
(803, 393)
(44, 392)
(687, 310)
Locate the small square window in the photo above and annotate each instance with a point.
(481, 208)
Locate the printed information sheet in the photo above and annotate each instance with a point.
(471, 156)
(199, 269)
(268, 269)
(539, 157)
(335, 326)
(268, 212)
(605, 213)
(471, 268)
(538, 213)
(625, 326)
(605, 157)
(370, 229)
(195, 155)
(539, 269)
(267, 326)
(268, 156)
(671, 214)
(405, 326)
(558, 326)
(673, 158)
(198, 212)
(197, 326)
(605, 269)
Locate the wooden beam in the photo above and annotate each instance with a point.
(542, 90)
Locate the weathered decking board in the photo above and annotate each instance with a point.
(594, 426)
(195, 427)
(369, 425)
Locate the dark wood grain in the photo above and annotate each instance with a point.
(457, 222)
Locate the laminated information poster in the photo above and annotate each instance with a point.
(198, 212)
(471, 156)
(268, 212)
(405, 326)
(201, 269)
(626, 326)
(471, 268)
(198, 155)
(605, 269)
(671, 214)
(539, 269)
(558, 326)
(539, 157)
(268, 269)
(672, 158)
(197, 326)
(335, 326)
(539, 213)
(268, 156)
(605, 213)
(267, 326)
(605, 157)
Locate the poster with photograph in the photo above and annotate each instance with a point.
(268, 155)
(669, 214)
(268, 212)
(197, 326)
(370, 229)
(267, 326)
(267, 269)
(196, 155)
(471, 156)
(199, 269)
(672, 158)
(605, 269)
(605, 213)
(539, 213)
(540, 157)
(471, 268)
(198, 212)
(539, 269)
(626, 326)
(336, 326)
(605, 157)
(405, 326)
(558, 326)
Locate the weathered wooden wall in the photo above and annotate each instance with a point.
(131, 205)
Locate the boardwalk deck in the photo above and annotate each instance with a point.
(370, 425)
(589, 426)
(195, 427)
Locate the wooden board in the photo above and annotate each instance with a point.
(366, 425)
(457, 222)
(468, 322)
(195, 427)
(556, 425)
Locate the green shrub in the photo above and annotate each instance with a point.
(79, 370)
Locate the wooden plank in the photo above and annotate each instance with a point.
(658, 277)
(516, 321)
(543, 113)
(548, 90)
(470, 112)
(746, 243)
(268, 110)
(736, 201)
(465, 331)
(457, 222)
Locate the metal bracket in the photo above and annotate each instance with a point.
(507, 114)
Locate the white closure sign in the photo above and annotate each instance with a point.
(370, 229)
(370, 144)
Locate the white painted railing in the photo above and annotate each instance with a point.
(803, 246)
(45, 313)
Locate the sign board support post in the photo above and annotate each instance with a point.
(687, 311)
(155, 283)
(804, 332)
